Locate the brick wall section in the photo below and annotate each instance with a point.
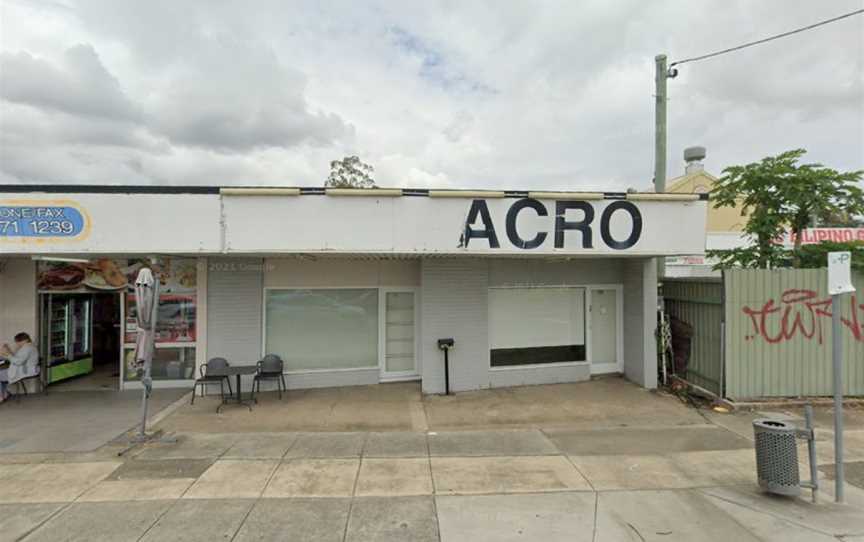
(640, 304)
(454, 303)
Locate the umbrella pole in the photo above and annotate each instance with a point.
(144, 402)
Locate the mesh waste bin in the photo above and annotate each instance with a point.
(777, 457)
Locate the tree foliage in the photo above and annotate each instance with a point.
(350, 172)
(813, 256)
(778, 194)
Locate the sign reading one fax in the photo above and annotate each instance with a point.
(48, 220)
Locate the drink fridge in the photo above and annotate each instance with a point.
(67, 335)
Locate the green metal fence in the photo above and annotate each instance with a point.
(778, 334)
(767, 333)
(699, 304)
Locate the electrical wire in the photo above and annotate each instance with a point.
(783, 35)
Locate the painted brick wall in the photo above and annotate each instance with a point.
(454, 303)
(234, 316)
(640, 304)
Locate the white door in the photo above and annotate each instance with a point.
(605, 330)
(399, 335)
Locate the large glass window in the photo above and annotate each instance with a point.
(176, 322)
(530, 326)
(323, 329)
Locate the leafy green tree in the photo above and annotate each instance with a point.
(778, 194)
(350, 172)
(815, 256)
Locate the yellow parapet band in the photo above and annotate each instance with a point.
(566, 195)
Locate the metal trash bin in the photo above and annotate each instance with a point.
(777, 457)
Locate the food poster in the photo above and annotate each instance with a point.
(177, 298)
(100, 274)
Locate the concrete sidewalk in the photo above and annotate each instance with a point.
(609, 401)
(693, 482)
(73, 421)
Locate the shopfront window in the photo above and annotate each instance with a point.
(323, 329)
(530, 326)
(176, 323)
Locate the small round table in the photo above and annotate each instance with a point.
(238, 371)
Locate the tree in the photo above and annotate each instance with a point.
(815, 256)
(350, 172)
(776, 194)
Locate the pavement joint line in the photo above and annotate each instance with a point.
(596, 513)
(351, 502)
(63, 507)
(764, 512)
(245, 517)
(269, 479)
(582, 474)
(434, 501)
(158, 518)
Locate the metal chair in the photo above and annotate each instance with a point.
(21, 386)
(212, 372)
(271, 367)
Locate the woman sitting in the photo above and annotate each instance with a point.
(23, 362)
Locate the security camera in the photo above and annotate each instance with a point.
(672, 73)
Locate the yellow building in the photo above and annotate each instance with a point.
(723, 220)
(724, 226)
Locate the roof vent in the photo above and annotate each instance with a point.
(694, 156)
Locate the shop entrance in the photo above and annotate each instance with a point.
(80, 340)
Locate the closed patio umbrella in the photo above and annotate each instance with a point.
(147, 304)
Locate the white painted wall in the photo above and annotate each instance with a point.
(126, 224)
(640, 317)
(423, 225)
(18, 299)
(340, 273)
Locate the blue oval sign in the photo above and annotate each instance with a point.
(40, 221)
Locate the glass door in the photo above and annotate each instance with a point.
(399, 329)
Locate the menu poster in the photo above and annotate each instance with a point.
(100, 274)
(175, 275)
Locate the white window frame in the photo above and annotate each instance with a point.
(618, 366)
(588, 350)
(319, 371)
(385, 376)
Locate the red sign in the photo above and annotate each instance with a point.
(813, 236)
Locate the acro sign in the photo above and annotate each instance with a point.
(564, 222)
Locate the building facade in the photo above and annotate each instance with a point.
(347, 286)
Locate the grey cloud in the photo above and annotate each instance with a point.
(79, 85)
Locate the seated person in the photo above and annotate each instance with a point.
(23, 362)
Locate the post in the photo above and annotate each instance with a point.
(660, 123)
(811, 452)
(446, 371)
(837, 362)
(660, 138)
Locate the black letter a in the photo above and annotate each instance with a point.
(478, 206)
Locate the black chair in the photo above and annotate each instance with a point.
(21, 386)
(213, 372)
(271, 367)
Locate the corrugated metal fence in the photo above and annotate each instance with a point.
(778, 340)
(773, 329)
(699, 304)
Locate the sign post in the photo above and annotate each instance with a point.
(839, 283)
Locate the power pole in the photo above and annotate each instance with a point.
(660, 139)
(660, 123)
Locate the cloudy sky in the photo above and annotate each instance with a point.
(457, 93)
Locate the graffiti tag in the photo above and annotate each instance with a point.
(800, 314)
